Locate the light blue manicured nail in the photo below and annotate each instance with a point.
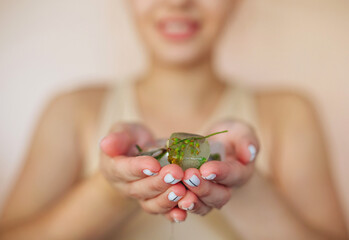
(253, 152)
(191, 207)
(177, 221)
(148, 172)
(210, 177)
(194, 181)
(173, 197)
(170, 179)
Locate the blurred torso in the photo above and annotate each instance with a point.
(156, 227)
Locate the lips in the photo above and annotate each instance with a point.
(178, 29)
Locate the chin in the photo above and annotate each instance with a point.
(180, 57)
(179, 61)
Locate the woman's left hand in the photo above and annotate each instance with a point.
(211, 185)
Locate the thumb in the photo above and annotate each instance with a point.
(116, 144)
(124, 137)
(241, 140)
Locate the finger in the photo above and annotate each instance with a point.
(230, 173)
(129, 169)
(190, 202)
(211, 194)
(240, 140)
(246, 149)
(165, 201)
(153, 186)
(124, 137)
(176, 215)
(116, 144)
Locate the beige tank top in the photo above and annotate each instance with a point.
(120, 105)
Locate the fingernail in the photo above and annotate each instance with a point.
(253, 152)
(148, 172)
(210, 177)
(170, 179)
(176, 220)
(194, 181)
(173, 197)
(191, 207)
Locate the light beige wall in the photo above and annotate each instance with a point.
(303, 45)
(47, 46)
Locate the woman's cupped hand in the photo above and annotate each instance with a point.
(169, 190)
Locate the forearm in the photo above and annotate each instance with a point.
(257, 211)
(90, 211)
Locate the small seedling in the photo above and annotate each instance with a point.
(185, 149)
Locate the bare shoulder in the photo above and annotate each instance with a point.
(300, 163)
(281, 105)
(292, 120)
(55, 144)
(285, 117)
(86, 97)
(81, 106)
(73, 109)
(84, 106)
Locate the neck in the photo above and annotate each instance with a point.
(182, 93)
(190, 84)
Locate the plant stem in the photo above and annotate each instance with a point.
(213, 134)
(139, 148)
(197, 138)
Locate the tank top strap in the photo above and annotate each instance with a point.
(110, 108)
(241, 104)
(231, 106)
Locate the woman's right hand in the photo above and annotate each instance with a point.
(157, 189)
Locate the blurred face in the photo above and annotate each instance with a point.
(180, 32)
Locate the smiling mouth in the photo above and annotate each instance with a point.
(178, 29)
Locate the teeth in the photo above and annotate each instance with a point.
(176, 28)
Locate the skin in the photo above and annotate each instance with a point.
(297, 196)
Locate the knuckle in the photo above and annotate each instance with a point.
(220, 204)
(150, 211)
(133, 165)
(114, 170)
(147, 209)
(219, 200)
(243, 179)
(164, 205)
(164, 209)
(204, 211)
(196, 210)
(146, 159)
(204, 192)
(112, 178)
(132, 192)
(156, 187)
(224, 200)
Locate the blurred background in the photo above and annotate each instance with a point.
(51, 46)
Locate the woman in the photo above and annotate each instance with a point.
(287, 194)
